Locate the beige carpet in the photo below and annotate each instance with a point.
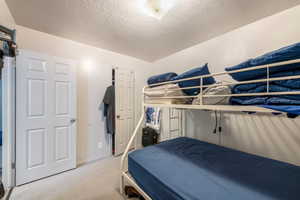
(98, 180)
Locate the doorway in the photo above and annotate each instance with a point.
(7, 106)
(1, 130)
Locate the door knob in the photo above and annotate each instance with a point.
(118, 116)
(73, 121)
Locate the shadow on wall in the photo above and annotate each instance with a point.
(270, 136)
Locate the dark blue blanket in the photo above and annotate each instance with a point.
(188, 169)
(291, 52)
(266, 100)
(288, 84)
(261, 87)
(294, 110)
(161, 78)
(274, 86)
(200, 71)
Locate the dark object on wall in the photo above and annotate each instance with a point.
(149, 137)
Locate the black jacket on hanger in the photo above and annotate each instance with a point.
(109, 109)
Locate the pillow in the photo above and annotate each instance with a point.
(196, 82)
(164, 90)
(161, 78)
(291, 52)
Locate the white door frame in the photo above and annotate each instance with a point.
(8, 121)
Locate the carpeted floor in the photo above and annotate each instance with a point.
(94, 181)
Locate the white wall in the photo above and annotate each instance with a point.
(94, 75)
(271, 136)
(6, 18)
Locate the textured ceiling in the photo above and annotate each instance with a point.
(120, 26)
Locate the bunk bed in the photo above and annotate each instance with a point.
(186, 168)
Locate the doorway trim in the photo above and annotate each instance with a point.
(8, 121)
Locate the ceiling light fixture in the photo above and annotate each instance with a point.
(157, 8)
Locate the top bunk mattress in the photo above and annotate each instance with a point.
(186, 168)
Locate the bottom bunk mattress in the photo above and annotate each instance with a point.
(186, 168)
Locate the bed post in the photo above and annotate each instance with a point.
(125, 154)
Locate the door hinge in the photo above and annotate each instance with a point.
(13, 165)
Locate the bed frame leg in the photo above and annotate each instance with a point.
(122, 187)
(125, 154)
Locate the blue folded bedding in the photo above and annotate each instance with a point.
(263, 100)
(274, 86)
(284, 54)
(294, 110)
(292, 83)
(262, 87)
(257, 100)
(161, 78)
(189, 169)
(200, 71)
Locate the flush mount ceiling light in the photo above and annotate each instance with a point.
(157, 8)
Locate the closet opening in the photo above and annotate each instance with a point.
(113, 135)
(8, 50)
(1, 114)
(119, 108)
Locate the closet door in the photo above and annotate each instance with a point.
(124, 86)
(46, 116)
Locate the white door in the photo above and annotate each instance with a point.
(124, 86)
(46, 116)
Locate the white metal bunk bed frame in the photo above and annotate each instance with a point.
(125, 176)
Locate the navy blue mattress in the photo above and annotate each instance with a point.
(188, 169)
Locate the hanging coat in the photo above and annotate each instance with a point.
(109, 109)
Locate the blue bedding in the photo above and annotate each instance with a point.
(274, 86)
(200, 71)
(263, 100)
(294, 110)
(289, 84)
(262, 87)
(188, 169)
(284, 54)
(161, 78)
